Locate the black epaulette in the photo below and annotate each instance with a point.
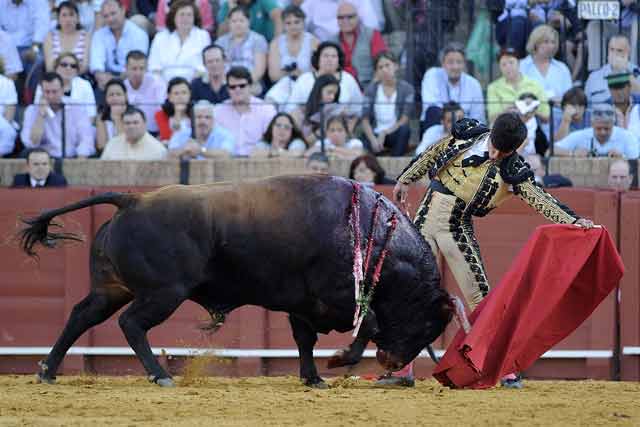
(514, 170)
(468, 128)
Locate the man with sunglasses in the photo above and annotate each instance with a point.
(244, 115)
(472, 173)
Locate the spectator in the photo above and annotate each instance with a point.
(39, 173)
(503, 92)
(265, 16)
(176, 110)
(321, 17)
(89, 12)
(513, 26)
(620, 178)
(450, 83)
(554, 76)
(282, 138)
(27, 23)
(144, 90)
(324, 96)
(596, 86)
(210, 140)
(536, 142)
(604, 30)
(387, 108)
(573, 115)
(290, 52)
(247, 117)
(77, 91)
(112, 43)
(204, 6)
(317, 163)
(339, 142)
(359, 43)
(10, 56)
(451, 113)
(540, 174)
(8, 102)
(43, 123)
(68, 36)
(602, 139)
(328, 59)
(211, 86)
(135, 143)
(367, 170)
(109, 122)
(177, 51)
(620, 89)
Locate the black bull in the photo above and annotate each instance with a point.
(281, 243)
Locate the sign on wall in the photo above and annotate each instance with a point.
(599, 10)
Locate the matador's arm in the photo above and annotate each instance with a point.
(422, 163)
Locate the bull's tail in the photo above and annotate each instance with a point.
(37, 230)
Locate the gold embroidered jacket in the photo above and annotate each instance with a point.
(484, 185)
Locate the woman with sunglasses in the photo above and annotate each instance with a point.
(68, 36)
(77, 90)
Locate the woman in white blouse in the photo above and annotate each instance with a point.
(539, 65)
(177, 51)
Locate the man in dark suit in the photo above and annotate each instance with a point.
(39, 172)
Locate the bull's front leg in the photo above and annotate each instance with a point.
(306, 338)
(353, 354)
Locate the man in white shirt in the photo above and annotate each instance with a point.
(135, 143)
(10, 56)
(144, 90)
(450, 83)
(321, 17)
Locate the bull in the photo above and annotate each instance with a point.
(283, 243)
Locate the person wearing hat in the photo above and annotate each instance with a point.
(623, 101)
(603, 138)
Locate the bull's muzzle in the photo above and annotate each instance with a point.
(389, 361)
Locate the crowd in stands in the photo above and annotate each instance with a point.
(195, 79)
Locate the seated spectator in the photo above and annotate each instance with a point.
(290, 52)
(513, 26)
(265, 16)
(338, 141)
(9, 55)
(602, 139)
(144, 90)
(245, 48)
(596, 87)
(359, 43)
(450, 83)
(317, 163)
(8, 102)
(598, 30)
(39, 173)
(367, 170)
(324, 96)
(387, 108)
(211, 86)
(573, 115)
(112, 43)
(554, 76)
(620, 87)
(321, 17)
(503, 92)
(176, 110)
(68, 36)
(540, 174)
(328, 59)
(451, 113)
(177, 51)
(247, 117)
(204, 6)
(109, 122)
(210, 139)
(135, 143)
(89, 12)
(620, 177)
(526, 107)
(43, 123)
(282, 138)
(77, 91)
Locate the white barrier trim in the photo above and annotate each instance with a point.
(272, 353)
(631, 351)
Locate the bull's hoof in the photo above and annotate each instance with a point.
(41, 379)
(340, 359)
(165, 382)
(317, 383)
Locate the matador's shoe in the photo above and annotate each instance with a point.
(511, 381)
(389, 380)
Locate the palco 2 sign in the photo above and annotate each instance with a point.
(600, 10)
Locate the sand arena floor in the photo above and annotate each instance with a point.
(283, 401)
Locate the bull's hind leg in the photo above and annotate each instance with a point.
(145, 312)
(306, 338)
(97, 307)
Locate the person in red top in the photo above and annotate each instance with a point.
(359, 43)
(174, 116)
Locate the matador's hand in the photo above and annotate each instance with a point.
(400, 192)
(584, 223)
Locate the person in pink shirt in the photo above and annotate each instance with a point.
(245, 116)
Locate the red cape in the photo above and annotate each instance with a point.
(559, 278)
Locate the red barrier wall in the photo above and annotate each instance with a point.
(36, 301)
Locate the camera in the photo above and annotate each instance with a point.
(291, 67)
